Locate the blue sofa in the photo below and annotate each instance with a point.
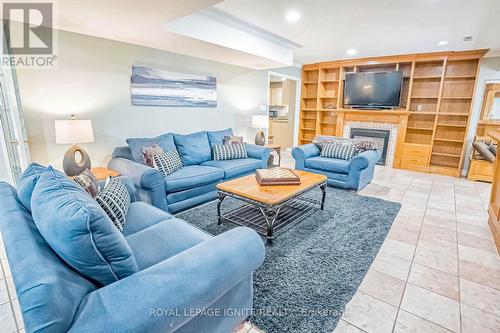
(196, 182)
(179, 270)
(354, 174)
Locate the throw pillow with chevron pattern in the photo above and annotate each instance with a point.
(168, 162)
(229, 151)
(343, 151)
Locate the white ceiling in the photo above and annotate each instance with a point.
(328, 28)
(144, 22)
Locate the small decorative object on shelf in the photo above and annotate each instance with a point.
(331, 107)
(73, 131)
(277, 176)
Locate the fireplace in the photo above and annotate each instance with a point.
(381, 138)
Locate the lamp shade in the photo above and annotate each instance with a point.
(260, 121)
(74, 131)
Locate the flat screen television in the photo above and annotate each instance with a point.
(373, 90)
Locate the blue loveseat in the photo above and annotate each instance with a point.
(182, 274)
(196, 182)
(354, 174)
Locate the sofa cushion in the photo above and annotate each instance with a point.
(79, 231)
(26, 183)
(179, 196)
(328, 164)
(141, 216)
(331, 175)
(194, 148)
(164, 240)
(49, 290)
(165, 141)
(235, 168)
(192, 176)
(217, 137)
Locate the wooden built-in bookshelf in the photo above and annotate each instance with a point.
(434, 113)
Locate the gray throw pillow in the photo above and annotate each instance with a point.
(88, 181)
(493, 148)
(232, 139)
(149, 152)
(483, 150)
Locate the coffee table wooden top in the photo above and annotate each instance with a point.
(248, 187)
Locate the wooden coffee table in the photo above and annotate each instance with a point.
(270, 209)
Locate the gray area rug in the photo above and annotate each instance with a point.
(315, 267)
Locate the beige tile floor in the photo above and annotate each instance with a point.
(437, 271)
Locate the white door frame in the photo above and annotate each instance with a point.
(297, 100)
(5, 155)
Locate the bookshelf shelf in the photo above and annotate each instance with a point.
(434, 113)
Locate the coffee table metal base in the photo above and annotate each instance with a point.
(270, 220)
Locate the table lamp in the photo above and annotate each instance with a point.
(72, 132)
(260, 122)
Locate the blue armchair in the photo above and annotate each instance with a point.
(183, 274)
(354, 174)
(196, 182)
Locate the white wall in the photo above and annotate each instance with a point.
(93, 81)
(489, 70)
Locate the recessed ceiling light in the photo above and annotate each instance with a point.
(443, 42)
(293, 16)
(351, 52)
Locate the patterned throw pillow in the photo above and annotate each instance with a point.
(168, 163)
(114, 199)
(493, 148)
(230, 139)
(484, 151)
(322, 140)
(229, 151)
(338, 151)
(149, 152)
(360, 145)
(88, 181)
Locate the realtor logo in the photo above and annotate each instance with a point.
(33, 33)
(29, 36)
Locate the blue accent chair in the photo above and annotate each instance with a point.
(196, 182)
(183, 275)
(352, 175)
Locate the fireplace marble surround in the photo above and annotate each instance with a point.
(393, 120)
(392, 128)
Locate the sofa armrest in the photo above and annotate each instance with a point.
(190, 280)
(259, 152)
(144, 178)
(305, 151)
(365, 159)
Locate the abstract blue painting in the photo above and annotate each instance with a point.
(164, 88)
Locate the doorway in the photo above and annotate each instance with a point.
(283, 104)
